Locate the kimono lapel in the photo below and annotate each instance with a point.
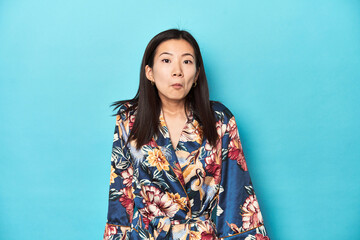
(164, 143)
(188, 145)
(187, 150)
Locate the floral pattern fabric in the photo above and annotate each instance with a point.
(195, 191)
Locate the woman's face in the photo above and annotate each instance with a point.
(174, 70)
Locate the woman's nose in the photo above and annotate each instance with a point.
(177, 71)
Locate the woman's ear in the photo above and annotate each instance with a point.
(149, 73)
(197, 74)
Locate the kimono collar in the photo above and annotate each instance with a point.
(164, 130)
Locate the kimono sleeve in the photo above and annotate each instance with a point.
(238, 214)
(121, 197)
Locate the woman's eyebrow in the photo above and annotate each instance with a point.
(188, 54)
(185, 54)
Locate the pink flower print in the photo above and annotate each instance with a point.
(251, 215)
(110, 230)
(152, 143)
(236, 153)
(127, 200)
(127, 175)
(261, 237)
(232, 129)
(220, 128)
(157, 203)
(207, 231)
(131, 121)
(213, 168)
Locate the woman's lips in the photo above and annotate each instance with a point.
(177, 85)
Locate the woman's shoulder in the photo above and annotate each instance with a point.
(221, 111)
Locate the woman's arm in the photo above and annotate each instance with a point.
(121, 198)
(238, 212)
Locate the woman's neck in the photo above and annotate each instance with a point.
(173, 108)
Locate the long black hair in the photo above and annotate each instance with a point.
(148, 103)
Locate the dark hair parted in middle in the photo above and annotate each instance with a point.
(148, 103)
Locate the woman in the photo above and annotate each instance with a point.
(177, 167)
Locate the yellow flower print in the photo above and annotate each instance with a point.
(113, 175)
(181, 201)
(158, 160)
(198, 132)
(162, 120)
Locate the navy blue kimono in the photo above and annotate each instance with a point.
(195, 191)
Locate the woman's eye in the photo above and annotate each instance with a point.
(187, 61)
(165, 60)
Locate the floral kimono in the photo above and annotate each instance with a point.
(195, 191)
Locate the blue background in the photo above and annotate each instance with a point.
(288, 70)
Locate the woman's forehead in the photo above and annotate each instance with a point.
(175, 47)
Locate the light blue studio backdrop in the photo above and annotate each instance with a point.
(288, 70)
